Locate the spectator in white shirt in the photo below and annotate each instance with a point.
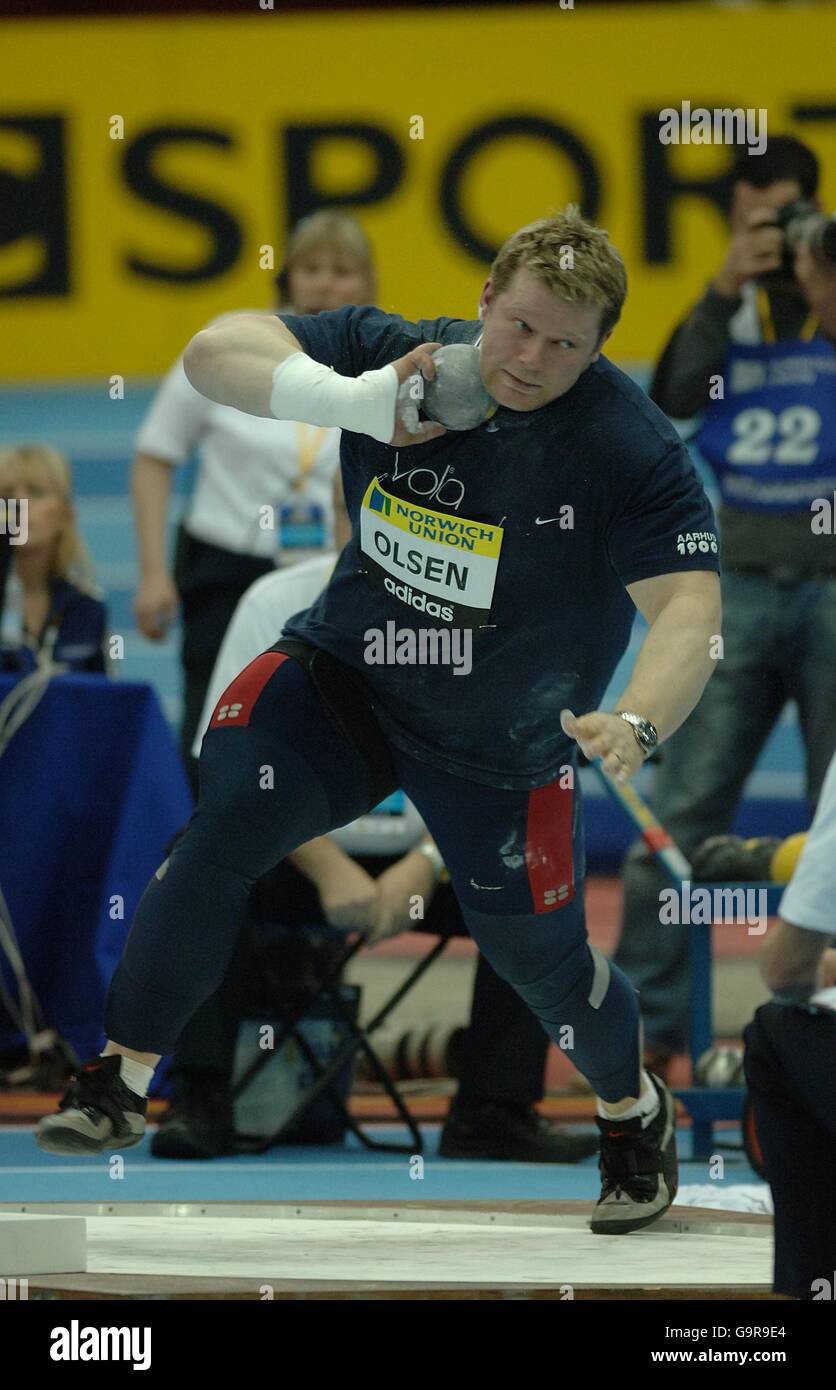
(263, 494)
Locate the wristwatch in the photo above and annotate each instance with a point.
(646, 735)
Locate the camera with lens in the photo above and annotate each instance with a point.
(803, 224)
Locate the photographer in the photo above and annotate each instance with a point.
(755, 359)
(243, 464)
(754, 298)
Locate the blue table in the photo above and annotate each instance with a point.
(707, 1104)
(91, 789)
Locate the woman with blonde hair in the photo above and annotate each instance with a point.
(246, 467)
(51, 608)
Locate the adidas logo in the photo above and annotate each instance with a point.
(229, 711)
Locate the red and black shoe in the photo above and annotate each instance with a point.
(639, 1169)
(97, 1113)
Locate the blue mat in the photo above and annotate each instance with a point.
(295, 1173)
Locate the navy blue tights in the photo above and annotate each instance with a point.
(281, 764)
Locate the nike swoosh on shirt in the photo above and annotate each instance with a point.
(544, 520)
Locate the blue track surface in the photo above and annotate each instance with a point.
(348, 1172)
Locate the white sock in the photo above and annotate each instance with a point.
(647, 1105)
(136, 1076)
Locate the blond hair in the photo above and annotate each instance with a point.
(333, 231)
(593, 273)
(22, 465)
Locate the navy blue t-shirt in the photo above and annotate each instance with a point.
(525, 531)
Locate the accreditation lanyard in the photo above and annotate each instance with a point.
(42, 645)
(768, 333)
(309, 441)
(301, 521)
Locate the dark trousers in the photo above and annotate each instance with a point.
(504, 1052)
(210, 582)
(791, 1074)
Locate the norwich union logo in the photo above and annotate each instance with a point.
(379, 502)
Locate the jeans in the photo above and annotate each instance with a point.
(779, 645)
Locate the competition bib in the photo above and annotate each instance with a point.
(772, 440)
(442, 566)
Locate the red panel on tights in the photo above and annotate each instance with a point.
(236, 704)
(548, 846)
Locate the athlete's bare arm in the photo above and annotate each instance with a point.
(233, 362)
(684, 613)
(677, 656)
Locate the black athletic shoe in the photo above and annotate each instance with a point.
(97, 1113)
(198, 1124)
(639, 1169)
(516, 1133)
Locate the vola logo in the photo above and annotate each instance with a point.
(425, 482)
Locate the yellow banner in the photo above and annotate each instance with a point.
(151, 167)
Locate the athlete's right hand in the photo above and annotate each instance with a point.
(155, 605)
(348, 896)
(413, 369)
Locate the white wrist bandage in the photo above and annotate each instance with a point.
(309, 391)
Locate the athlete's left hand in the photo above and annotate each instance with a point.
(412, 370)
(607, 736)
